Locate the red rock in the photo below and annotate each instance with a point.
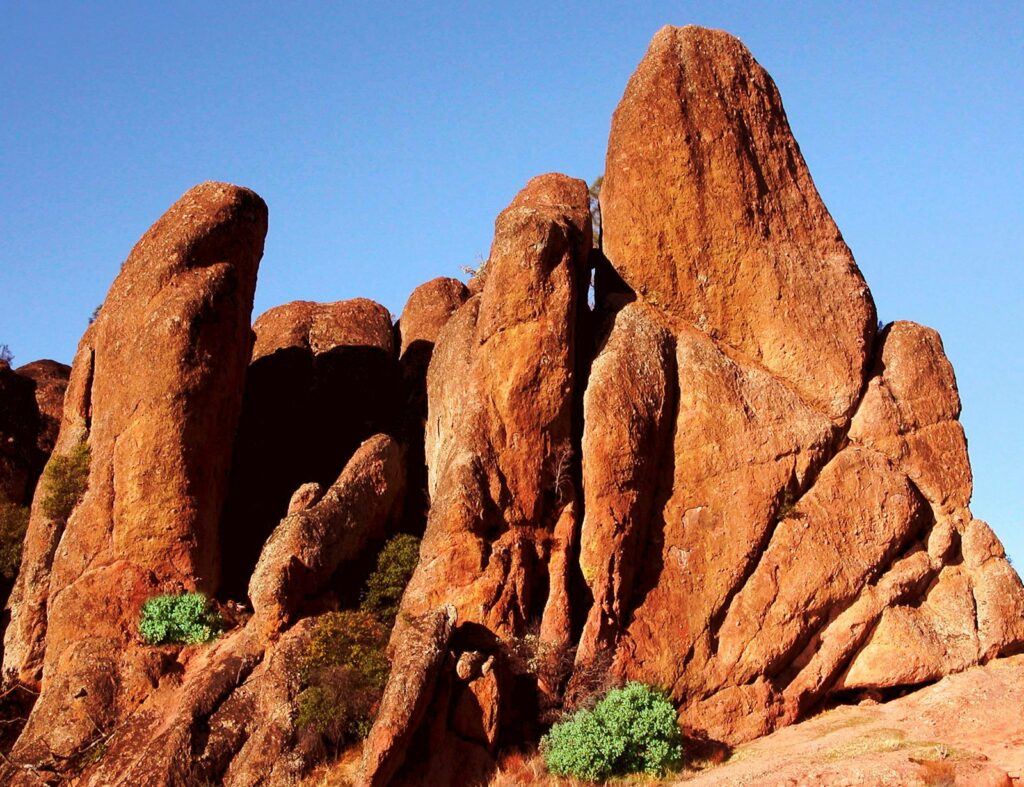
(428, 309)
(502, 474)
(499, 429)
(306, 549)
(51, 381)
(420, 648)
(628, 408)
(156, 390)
(323, 378)
(709, 213)
(426, 312)
(19, 426)
(962, 730)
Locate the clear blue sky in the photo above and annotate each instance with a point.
(386, 139)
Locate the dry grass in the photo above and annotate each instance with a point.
(338, 773)
(526, 769)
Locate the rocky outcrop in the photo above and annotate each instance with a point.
(51, 381)
(799, 480)
(723, 480)
(155, 391)
(303, 553)
(764, 501)
(499, 446)
(19, 427)
(323, 378)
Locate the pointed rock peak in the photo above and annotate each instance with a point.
(710, 215)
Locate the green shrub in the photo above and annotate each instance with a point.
(65, 480)
(13, 524)
(343, 673)
(631, 730)
(183, 618)
(384, 587)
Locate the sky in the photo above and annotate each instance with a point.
(386, 137)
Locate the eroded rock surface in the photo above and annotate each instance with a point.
(774, 496)
(499, 446)
(723, 480)
(156, 392)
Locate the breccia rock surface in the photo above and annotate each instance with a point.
(725, 479)
(764, 502)
(155, 392)
(499, 448)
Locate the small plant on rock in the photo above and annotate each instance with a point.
(344, 670)
(384, 587)
(65, 480)
(13, 524)
(180, 618)
(631, 730)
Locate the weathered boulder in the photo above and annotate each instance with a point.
(19, 430)
(156, 393)
(323, 378)
(421, 647)
(709, 213)
(427, 310)
(51, 382)
(304, 551)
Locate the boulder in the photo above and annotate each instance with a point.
(19, 430)
(323, 378)
(307, 547)
(427, 310)
(155, 392)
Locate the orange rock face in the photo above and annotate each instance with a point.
(156, 392)
(767, 505)
(499, 448)
(306, 549)
(709, 213)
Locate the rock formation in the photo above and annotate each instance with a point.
(31, 402)
(723, 480)
(773, 503)
(155, 392)
(323, 378)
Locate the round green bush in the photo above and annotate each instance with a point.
(181, 618)
(631, 730)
